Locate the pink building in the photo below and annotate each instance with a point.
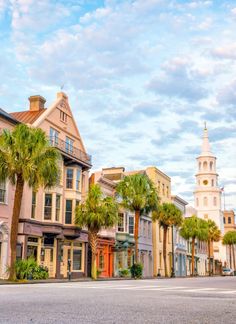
(6, 199)
(46, 226)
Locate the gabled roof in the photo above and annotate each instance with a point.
(28, 117)
(7, 116)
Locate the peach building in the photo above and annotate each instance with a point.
(6, 198)
(46, 226)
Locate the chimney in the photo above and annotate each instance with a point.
(36, 103)
(62, 95)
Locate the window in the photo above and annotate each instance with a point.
(159, 186)
(205, 202)
(69, 145)
(199, 165)
(33, 206)
(68, 218)
(204, 165)
(163, 189)
(101, 261)
(211, 165)
(229, 220)
(53, 136)
(212, 183)
(131, 225)
(63, 116)
(149, 229)
(121, 222)
(215, 201)
(77, 259)
(69, 178)
(197, 202)
(78, 179)
(167, 191)
(58, 207)
(2, 192)
(48, 206)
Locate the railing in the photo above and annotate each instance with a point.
(70, 150)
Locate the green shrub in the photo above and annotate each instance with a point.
(29, 269)
(136, 270)
(124, 272)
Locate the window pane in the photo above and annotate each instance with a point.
(77, 179)
(58, 207)
(69, 178)
(48, 207)
(121, 222)
(2, 192)
(131, 224)
(33, 204)
(68, 218)
(77, 258)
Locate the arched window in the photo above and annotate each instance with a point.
(199, 165)
(212, 183)
(211, 165)
(204, 165)
(205, 201)
(215, 201)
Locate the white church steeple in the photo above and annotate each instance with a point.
(207, 194)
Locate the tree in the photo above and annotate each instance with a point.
(138, 195)
(26, 157)
(96, 213)
(194, 228)
(230, 239)
(167, 215)
(214, 235)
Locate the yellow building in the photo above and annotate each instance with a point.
(163, 185)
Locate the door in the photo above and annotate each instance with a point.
(48, 262)
(66, 257)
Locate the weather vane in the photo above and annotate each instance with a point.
(62, 86)
(205, 125)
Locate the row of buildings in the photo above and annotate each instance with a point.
(46, 226)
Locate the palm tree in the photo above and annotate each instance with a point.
(213, 236)
(230, 239)
(194, 228)
(26, 157)
(138, 195)
(167, 215)
(96, 213)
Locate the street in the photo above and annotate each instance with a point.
(192, 300)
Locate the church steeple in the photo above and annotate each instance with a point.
(206, 151)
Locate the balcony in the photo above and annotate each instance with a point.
(71, 152)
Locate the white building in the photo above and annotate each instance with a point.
(207, 193)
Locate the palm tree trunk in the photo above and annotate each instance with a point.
(14, 224)
(136, 227)
(230, 256)
(193, 255)
(165, 228)
(93, 240)
(233, 256)
(209, 256)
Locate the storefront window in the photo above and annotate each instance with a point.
(77, 259)
(101, 260)
(68, 216)
(48, 207)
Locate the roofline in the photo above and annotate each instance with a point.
(179, 199)
(8, 117)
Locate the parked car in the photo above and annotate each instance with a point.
(227, 272)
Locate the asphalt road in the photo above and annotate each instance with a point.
(189, 300)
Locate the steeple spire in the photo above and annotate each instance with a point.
(205, 144)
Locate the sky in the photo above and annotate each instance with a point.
(142, 77)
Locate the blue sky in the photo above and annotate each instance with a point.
(142, 77)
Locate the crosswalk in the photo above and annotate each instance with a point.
(132, 286)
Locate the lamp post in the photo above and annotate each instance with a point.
(173, 255)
